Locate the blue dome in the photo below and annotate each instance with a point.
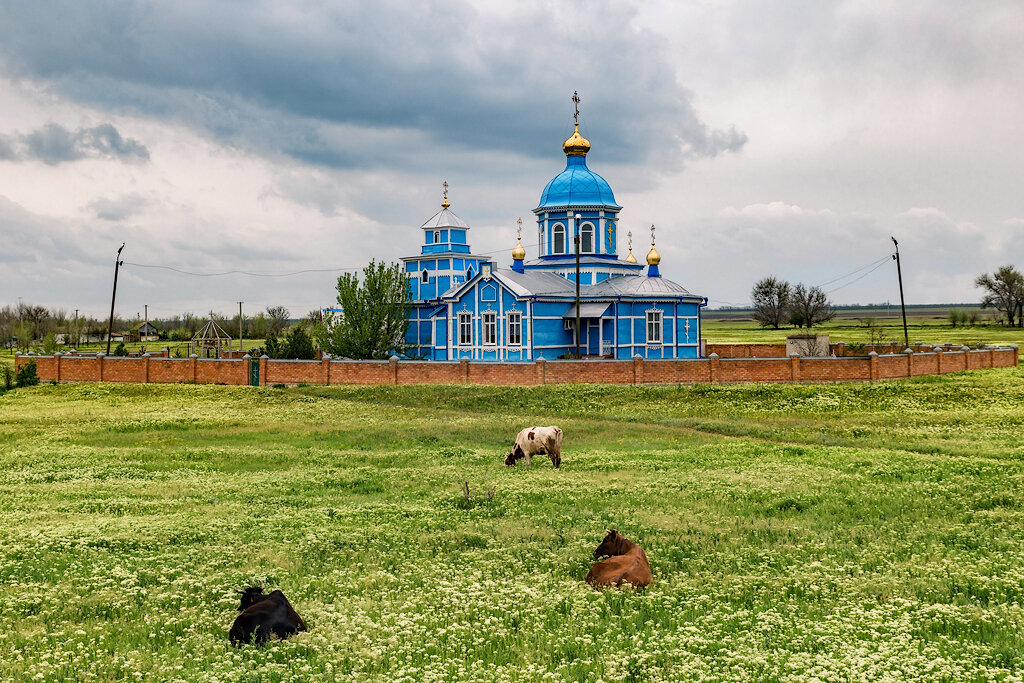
(577, 185)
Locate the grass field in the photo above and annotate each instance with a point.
(724, 327)
(796, 533)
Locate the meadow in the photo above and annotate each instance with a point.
(926, 324)
(796, 532)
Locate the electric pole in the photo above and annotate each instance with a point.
(77, 343)
(146, 328)
(113, 296)
(903, 307)
(240, 325)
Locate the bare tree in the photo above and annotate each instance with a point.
(771, 298)
(810, 306)
(277, 319)
(1004, 291)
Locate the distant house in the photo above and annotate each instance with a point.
(147, 332)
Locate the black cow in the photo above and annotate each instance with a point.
(263, 616)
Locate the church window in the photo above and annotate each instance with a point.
(587, 238)
(425, 276)
(465, 329)
(654, 327)
(437, 237)
(469, 273)
(490, 323)
(515, 328)
(558, 239)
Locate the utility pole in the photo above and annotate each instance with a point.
(77, 343)
(240, 325)
(903, 307)
(146, 327)
(113, 296)
(577, 241)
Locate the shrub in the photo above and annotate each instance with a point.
(6, 378)
(120, 350)
(27, 376)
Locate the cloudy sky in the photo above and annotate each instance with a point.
(787, 138)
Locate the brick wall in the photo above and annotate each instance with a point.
(636, 371)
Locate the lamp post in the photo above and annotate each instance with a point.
(110, 326)
(903, 308)
(577, 241)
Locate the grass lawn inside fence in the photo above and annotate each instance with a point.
(796, 532)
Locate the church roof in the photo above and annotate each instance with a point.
(577, 185)
(445, 218)
(637, 286)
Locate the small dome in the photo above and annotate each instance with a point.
(518, 254)
(653, 257)
(576, 144)
(630, 257)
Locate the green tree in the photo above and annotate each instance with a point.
(297, 344)
(1004, 291)
(375, 314)
(120, 350)
(27, 375)
(273, 347)
(771, 299)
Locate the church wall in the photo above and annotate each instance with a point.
(638, 371)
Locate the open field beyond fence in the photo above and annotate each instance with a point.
(796, 532)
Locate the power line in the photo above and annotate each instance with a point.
(854, 272)
(879, 265)
(243, 272)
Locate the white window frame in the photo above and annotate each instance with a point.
(437, 237)
(585, 230)
(656, 323)
(465, 328)
(515, 328)
(489, 327)
(557, 230)
(425, 276)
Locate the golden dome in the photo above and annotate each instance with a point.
(576, 144)
(629, 257)
(518, 254)
(653, 257)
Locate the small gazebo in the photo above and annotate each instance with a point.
(210, 341)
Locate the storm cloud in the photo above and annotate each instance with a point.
(53, 144)
(359, 85)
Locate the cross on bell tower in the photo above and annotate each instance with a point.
(445, 204)
(576, 104)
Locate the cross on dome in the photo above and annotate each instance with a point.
(445, 204)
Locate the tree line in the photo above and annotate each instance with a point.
(777, 303)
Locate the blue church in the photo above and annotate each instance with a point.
(465, 306)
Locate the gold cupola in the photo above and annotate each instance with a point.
(629, 257)
(653, 257)
(576, 145)
(518, 254)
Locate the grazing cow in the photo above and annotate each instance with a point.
(628, 563)
(264, 616)
(534, 441)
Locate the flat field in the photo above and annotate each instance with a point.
(930, 326)
(854, 532)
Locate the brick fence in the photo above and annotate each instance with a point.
(713, 369)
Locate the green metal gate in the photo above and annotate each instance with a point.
(254, 372)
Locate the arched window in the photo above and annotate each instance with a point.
(425, 276)
(558, 239)
(469, 273)
(437, 237)
(587, 238)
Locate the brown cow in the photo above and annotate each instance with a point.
(628, 563)
(533, 441)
